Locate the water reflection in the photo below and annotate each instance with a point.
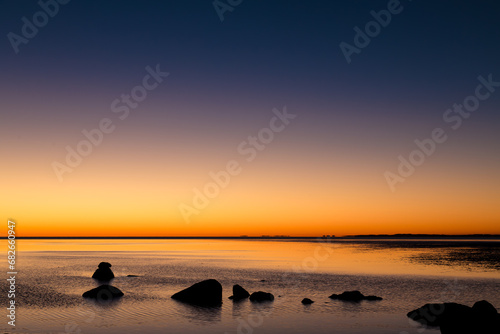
(354, 256)
(199, 315)
(240, 307)
(102, 304)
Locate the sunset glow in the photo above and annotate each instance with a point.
(169, 109)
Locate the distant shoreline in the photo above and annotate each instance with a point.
(265, 237)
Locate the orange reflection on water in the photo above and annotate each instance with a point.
(299, 256)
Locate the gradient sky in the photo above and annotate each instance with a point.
(323, 174)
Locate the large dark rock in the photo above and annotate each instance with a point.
(307, 301)
(453, 318)
(353, 296)
(103, 272)
(239, 293)
(204, 293)
(261, 296)
(435, 314)
(104, 293)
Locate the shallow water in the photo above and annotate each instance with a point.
(407, 274)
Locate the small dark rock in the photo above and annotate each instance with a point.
(204, 293)
(104, 293)
(353, 296)
(261, 296)
(133, 276)
(239, 293)
(103, 272)
(485, 308)
(307, 301)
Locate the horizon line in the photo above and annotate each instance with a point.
(397, 235)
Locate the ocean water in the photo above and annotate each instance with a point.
(53, 274)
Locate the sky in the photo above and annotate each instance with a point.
(228, 118)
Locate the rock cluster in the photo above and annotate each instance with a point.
(104, 293)
(453, 318)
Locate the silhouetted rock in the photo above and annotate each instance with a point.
(485, 308)
(239, 293)
(353, 296)
(435, 314)
(307, 301)
(133, 276)
(104, 293)
(103, 272)
(453, 318)
(486, 317)
(204, 293)
(261, 296)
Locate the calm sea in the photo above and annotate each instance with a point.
(52, 275)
